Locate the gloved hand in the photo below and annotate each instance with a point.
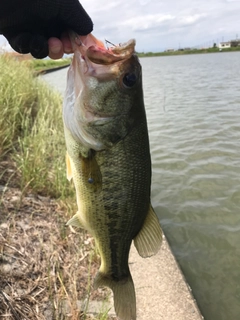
(29, 24)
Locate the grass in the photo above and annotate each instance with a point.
(31, 130)
(46, 268)
(45, 64)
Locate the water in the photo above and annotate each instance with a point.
(193, 110)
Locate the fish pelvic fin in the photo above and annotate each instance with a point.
(75, 221)
(149, 239)
(69, 169)
(123, 294)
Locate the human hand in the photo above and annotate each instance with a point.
(57, 47)
(40, 26)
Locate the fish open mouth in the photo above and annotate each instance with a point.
(94, 50)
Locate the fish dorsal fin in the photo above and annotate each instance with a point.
(69, 169)
(149, 239)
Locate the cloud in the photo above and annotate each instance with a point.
(155, 24)
(4, 45)
(147, 22)
(191, 19)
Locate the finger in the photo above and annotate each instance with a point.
(39, 47)
(66, 42)
(55, 48)
(20, 42)
(26, 42)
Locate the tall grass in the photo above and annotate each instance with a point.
(31, 130)
(59, 259)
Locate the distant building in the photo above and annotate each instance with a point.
(235, 43)
(224, 45)
(169, 50)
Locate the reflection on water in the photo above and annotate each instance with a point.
(193, 110)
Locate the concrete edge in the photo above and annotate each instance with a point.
(162, 292)
(161, 289)
(45, 71)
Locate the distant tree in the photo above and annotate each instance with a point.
(214, 45)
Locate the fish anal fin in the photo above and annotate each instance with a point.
(123, 294)
(149, 239)
(69, 169)
(75, 221)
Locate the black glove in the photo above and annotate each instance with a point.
(28, 24)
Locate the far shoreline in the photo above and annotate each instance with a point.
(180, 52)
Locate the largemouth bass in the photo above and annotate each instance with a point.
(109, 160)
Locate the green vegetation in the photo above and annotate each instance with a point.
(41, 65)
(182, 52)
(31, 130)
(45, 267)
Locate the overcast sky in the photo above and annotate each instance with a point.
(159, 25)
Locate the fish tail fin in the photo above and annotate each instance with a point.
(123, 294)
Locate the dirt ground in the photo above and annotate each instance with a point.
(46, 268)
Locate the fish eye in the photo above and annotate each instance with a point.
(129, 80)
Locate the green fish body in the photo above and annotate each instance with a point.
(108, 158)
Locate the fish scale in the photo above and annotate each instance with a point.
(109, 160)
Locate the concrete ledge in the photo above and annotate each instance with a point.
(45, 71)
(161, 289)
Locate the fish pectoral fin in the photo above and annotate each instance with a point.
(149, 239)
(91, 171)
(75, 221)
(69, 168)
(123, 292)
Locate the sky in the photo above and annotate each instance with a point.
(160, 25)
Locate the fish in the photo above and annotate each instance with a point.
(108, 158)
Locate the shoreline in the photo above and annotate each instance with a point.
(185, 52)
(48, 70)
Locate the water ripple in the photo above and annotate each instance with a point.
(193, 115)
